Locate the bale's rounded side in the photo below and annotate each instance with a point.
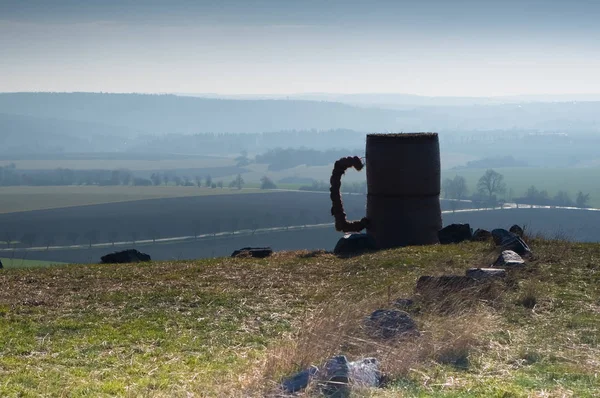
(403, 182)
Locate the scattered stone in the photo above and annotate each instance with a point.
(481, 235)
(257, 252)
(354, 243)
(499, 235)
(444, 283)
(299, 381)
(339, 375)
(485, 273)
(510, 241)
(455, 233)
(390, 323)
(517, 245)
(509, 259)
(125, 256)
(517, 230)
(404, 303)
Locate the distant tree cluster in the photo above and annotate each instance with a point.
(281, 159)
(491, 185)
(533, 196)
(11, 176)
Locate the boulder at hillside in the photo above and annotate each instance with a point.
(510, 241)
(257, 252)
(300, 380)
(509, 259)
(125, 256)
(340, 376)
(356, 243)
(454, 233)
(517, 230)
(481, 235)
(390, 323)
(485, 273)
(1, 266)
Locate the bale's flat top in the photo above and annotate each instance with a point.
(405, 136)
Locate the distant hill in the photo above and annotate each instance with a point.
(162, 114)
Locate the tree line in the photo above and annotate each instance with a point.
(491, 190)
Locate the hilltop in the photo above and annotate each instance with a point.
(234, 327)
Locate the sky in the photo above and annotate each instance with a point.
(426, 47)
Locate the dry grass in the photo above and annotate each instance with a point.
(235, 327)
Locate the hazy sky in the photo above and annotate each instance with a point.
(429, 47)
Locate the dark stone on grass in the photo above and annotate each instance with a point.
(1, 266)
(339, 375)
(257, 252)
(500, 235)
(390, 323)
(481, 235)
(444, 283)
(509, 259)
(355, 243)
(510, 241)
(517, 230)
(125, 256)
(299, 381)
(454, 233)
(485, 273)
(517, 245)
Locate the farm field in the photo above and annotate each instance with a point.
(519, 179)
(103, 162)
(24, 198)
(21, 262)
(575, 225)
(235, 327)
(169, 217)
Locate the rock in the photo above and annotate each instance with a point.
(510, 241)
(481, 235)
(485, 273)
(299, 381)
(517, 230)
(403, 303)
(517, 245)
(509, 259)
(354, 244)
(257, 252)
(390, 323)
(125, 256)
(365, 373)
(339, 375)
(1, 266)
(336, 377)
(454, 233)
(499, 235)
(444, 283)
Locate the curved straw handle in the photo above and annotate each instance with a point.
(337, 206)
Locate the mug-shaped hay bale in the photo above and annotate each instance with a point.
(403, 183)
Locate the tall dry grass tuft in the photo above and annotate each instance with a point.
(337, 328)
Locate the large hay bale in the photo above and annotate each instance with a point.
(403, 183)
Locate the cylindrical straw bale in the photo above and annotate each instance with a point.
(403, 184)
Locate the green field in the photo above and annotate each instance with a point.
(20, 263)
(13, 199)
(571, 180)
(234, 327)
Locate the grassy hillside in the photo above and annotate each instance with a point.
(23, 262)
(232, 327)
